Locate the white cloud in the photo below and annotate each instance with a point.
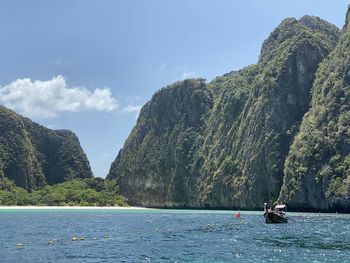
(187, 75)
(45, 99)
(132, 109)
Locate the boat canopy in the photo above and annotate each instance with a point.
(280, 207)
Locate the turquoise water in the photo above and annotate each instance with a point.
(170, 236)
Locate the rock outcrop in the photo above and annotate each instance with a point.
(246, 166)
(33, 156)
(317, 169)
(154, 167)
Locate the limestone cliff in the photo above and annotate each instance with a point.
(317, 169)
(154, 167)
(253, 146)
(33, 156)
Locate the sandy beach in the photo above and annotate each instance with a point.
(74, 207)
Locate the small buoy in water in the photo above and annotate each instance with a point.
(19, 245)
(106, 236)
(50, 242)
(94, 238)
(74, 238)
(81, 238)
(238, 215)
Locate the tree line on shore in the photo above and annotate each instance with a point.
(77, 192)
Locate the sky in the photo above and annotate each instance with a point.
(90, 65)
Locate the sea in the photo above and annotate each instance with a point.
(67, 235)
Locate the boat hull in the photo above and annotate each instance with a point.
(273, 218)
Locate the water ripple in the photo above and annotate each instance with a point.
(161, 236)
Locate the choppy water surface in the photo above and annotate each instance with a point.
(170, 236)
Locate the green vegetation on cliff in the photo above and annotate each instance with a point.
(317, 169)
(33, 156)
(224, 144)
(246, 166)
(157, 157)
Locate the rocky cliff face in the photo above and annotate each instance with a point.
(254, 145)
(317, 169)
(33, 156)
(224, 144)
(154, 167)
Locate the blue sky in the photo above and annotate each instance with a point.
(89, 65)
